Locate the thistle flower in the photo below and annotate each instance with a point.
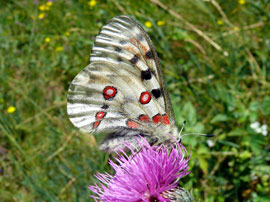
(148, 175)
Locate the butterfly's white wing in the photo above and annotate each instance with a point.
(122, 91)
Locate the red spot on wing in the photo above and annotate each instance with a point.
(109, 92)
(132, 124)
(145, 97)
(165, 119)
(144, 118)
(156, 119)
(100, 115)
(96, 124)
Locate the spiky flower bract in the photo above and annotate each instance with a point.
(144, 176)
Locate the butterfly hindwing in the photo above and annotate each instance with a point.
(122, 89)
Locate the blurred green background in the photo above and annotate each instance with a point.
(215, 57)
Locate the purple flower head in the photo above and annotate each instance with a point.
(148, 175)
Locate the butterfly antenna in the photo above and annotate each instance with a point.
(200, 134)
(184, 123)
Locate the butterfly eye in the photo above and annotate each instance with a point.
(180, 140)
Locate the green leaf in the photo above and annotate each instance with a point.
(198, 128)
(241, 113)
(254, 106)
(203, 164)
(220, 118)
(256, 143)
(229, 143)
(190, 113)
(202, 150)
(224, 94)
(253, 116)
(266, 106)
(245, 155)
(237, 132)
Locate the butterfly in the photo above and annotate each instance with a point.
(122, 92)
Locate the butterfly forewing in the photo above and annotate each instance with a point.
(122, 91)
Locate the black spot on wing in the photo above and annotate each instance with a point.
(119, 59)
(156, 92)
(148, 54)
(146, 75)
(105, 106)
(117, 49)
(122, 42)
(134, 60)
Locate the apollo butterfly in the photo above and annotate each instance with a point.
(122, 92)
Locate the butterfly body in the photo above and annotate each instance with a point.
(122, 92)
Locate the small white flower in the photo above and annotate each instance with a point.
(264, 127)
(264, 133)
(264, 130)
(255, 125)
(210, 143)
(258, 130)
